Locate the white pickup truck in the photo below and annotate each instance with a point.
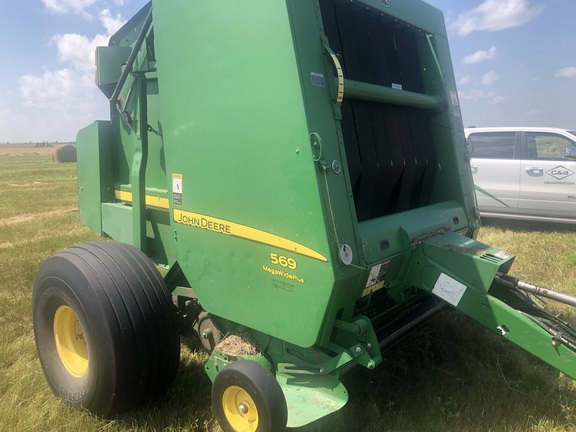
(524, 172)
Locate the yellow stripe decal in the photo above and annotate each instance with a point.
(151, 200)
(233, 229)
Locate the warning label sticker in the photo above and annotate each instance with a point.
(376, 278)
(177, 189)
(455, 104)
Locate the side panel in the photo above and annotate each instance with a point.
(247, 213)
(110, 61)
(94, 172)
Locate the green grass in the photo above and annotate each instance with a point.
(451, 375)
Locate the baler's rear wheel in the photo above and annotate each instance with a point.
(246, 397)
(105, 327)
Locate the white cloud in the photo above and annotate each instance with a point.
(77, 7)
(63, 98)
(489, 77)
(79, 50)
(111, 23)
(494, 15)
(497, 99)
(482, 96)
(567, 72)
(464, 80)
(71, 87)
(51, 90)
(479, 56)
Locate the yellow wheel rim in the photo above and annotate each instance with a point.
(240, 409)
(70, 342)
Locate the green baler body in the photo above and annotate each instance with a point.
(243, 97)
(297, 166)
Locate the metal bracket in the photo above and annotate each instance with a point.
(339, 97)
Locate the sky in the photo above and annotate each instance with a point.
(514, 62)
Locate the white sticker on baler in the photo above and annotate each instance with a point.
(449, 289)
(177, 189)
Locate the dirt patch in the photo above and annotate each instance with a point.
(31, 216)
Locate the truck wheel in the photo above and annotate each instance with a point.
(247, 397)
(105, 327)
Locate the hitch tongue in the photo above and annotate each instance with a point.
(536, 289)
(472, 277)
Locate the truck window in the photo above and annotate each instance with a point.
(547, 146)
(492, 145)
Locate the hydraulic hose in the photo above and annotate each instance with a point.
(511, 281)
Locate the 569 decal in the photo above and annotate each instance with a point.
(283, 261)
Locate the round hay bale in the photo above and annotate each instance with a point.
(64, 154)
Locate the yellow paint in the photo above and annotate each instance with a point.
(240, 409)
(225, 227)
(70, 342)
(152, 201)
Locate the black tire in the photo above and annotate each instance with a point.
(247, 397)
(105, 328)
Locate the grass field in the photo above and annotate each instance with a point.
(452, 375)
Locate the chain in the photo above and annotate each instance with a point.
(151, 129)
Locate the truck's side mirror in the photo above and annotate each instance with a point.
(470, 146)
